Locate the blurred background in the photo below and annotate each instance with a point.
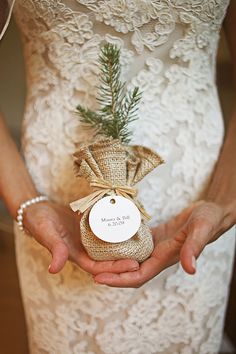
(12, 92)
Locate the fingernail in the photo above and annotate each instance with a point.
(94, 280)
(49, 267)
(194, 265)
(134, 268)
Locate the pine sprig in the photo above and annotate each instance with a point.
(111, 89)
(89, 117)
(118, 108)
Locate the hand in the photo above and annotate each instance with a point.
(182, 238)
(57, 228)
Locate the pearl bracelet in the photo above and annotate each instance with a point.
(20, 211)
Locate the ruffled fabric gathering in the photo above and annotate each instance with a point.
(122, 166)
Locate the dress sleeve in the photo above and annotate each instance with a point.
(6, 7)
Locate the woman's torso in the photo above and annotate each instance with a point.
(168, 49)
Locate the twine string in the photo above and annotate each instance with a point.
(105, 187)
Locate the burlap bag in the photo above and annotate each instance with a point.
(113, 169)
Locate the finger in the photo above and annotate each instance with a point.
(163, 256)
(60, 255)
(162, 232)
(95, 267)
(48, 236)
(198, 235)
(129, 279)
(135, 279)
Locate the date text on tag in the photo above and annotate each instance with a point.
(114, 219)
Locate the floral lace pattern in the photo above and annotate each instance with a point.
(168, 48)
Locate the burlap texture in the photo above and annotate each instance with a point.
(120, 165)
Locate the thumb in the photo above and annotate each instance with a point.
(49, 237)
(198, 234)
(59, 253)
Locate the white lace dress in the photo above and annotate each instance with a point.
(168, 49)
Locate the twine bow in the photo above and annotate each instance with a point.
(105, 187)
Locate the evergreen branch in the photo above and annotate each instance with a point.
(118, 108)
(111, 88)
(129, 105)
(89, 117)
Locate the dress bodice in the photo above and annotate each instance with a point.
(168, 49)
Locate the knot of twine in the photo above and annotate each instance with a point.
(105, 187)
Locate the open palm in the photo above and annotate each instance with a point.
(57, 228)
(181, 239)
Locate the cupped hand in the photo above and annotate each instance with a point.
(57, 228)
(182, 239)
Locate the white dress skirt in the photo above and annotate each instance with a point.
(168, 49)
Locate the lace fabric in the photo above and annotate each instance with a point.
(168, 49)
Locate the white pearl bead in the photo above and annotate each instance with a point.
(20, 211)
(19, 217)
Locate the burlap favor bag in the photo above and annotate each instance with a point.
(113, 169)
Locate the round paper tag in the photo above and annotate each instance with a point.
(114, 219)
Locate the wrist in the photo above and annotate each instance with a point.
(226, 203)
(14, 203)
(17, 191)
(25, 205)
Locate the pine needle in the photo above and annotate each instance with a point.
(118, 108)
